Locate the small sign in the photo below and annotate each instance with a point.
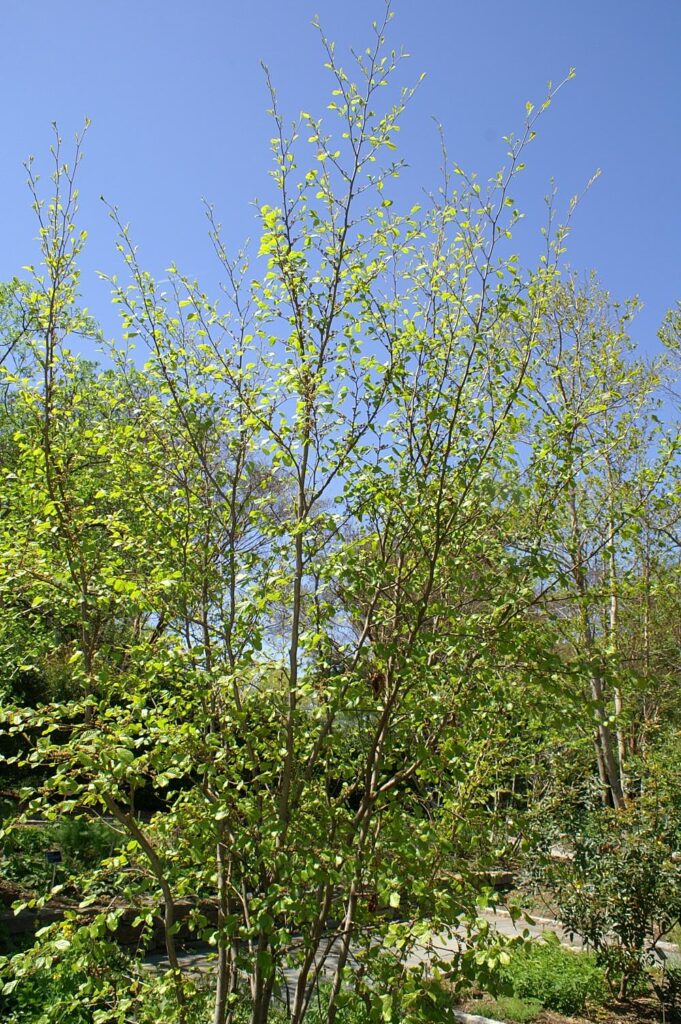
(53, 856)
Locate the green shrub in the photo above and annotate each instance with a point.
(621, 889)
(510, 1008)
(78, 975)
(351, 1011)
(23, 857)
(562, 980)
(84, 844)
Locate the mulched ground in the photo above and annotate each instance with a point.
(637, 1011)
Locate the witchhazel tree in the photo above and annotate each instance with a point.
(283, 581)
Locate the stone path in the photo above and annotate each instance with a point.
(502, 922)
(201, 962)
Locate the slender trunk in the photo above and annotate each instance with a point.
(262, 983)
(169, 915)
(227, 963)
(621, 740)
(646, 640)
(602, 774)
(607, 763)
(623, 987)
(613, 630)
(302, 510)
(364, 818)
(346, 937)
(606, 745)
(299, 1001)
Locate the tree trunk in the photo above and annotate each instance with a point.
(226, 966)
(606, 745)
(156, 865)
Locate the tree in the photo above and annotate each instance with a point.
(604, 460)
(287, 559)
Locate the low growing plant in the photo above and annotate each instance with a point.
(560, 979)
(510, 1008)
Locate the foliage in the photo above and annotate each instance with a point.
(559, 978)
(79, 974)
(83, 844)
(509, 1008)
(289, 576)
(61, 979)
(621, 890)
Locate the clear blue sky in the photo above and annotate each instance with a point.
(177, 100)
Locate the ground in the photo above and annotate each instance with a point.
(638, 1011)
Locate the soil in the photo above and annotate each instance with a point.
(635, 1011)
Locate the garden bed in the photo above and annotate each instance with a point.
(636, 1011)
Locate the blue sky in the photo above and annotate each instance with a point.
(177, 100)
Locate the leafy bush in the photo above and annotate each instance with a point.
(351, 1010)
(621, 892)
(23, 857)
(59, 980)
(560, 979)
(79, 975)
(84, 843)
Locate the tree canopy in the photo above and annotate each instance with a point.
(312, 593)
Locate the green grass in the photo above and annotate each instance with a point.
(509, 1008)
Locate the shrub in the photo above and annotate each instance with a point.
(351, 1011)
(510, 1008)
(562, 980)
(84, 843)
(78, 975)
(23, 857)
(621, 891)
